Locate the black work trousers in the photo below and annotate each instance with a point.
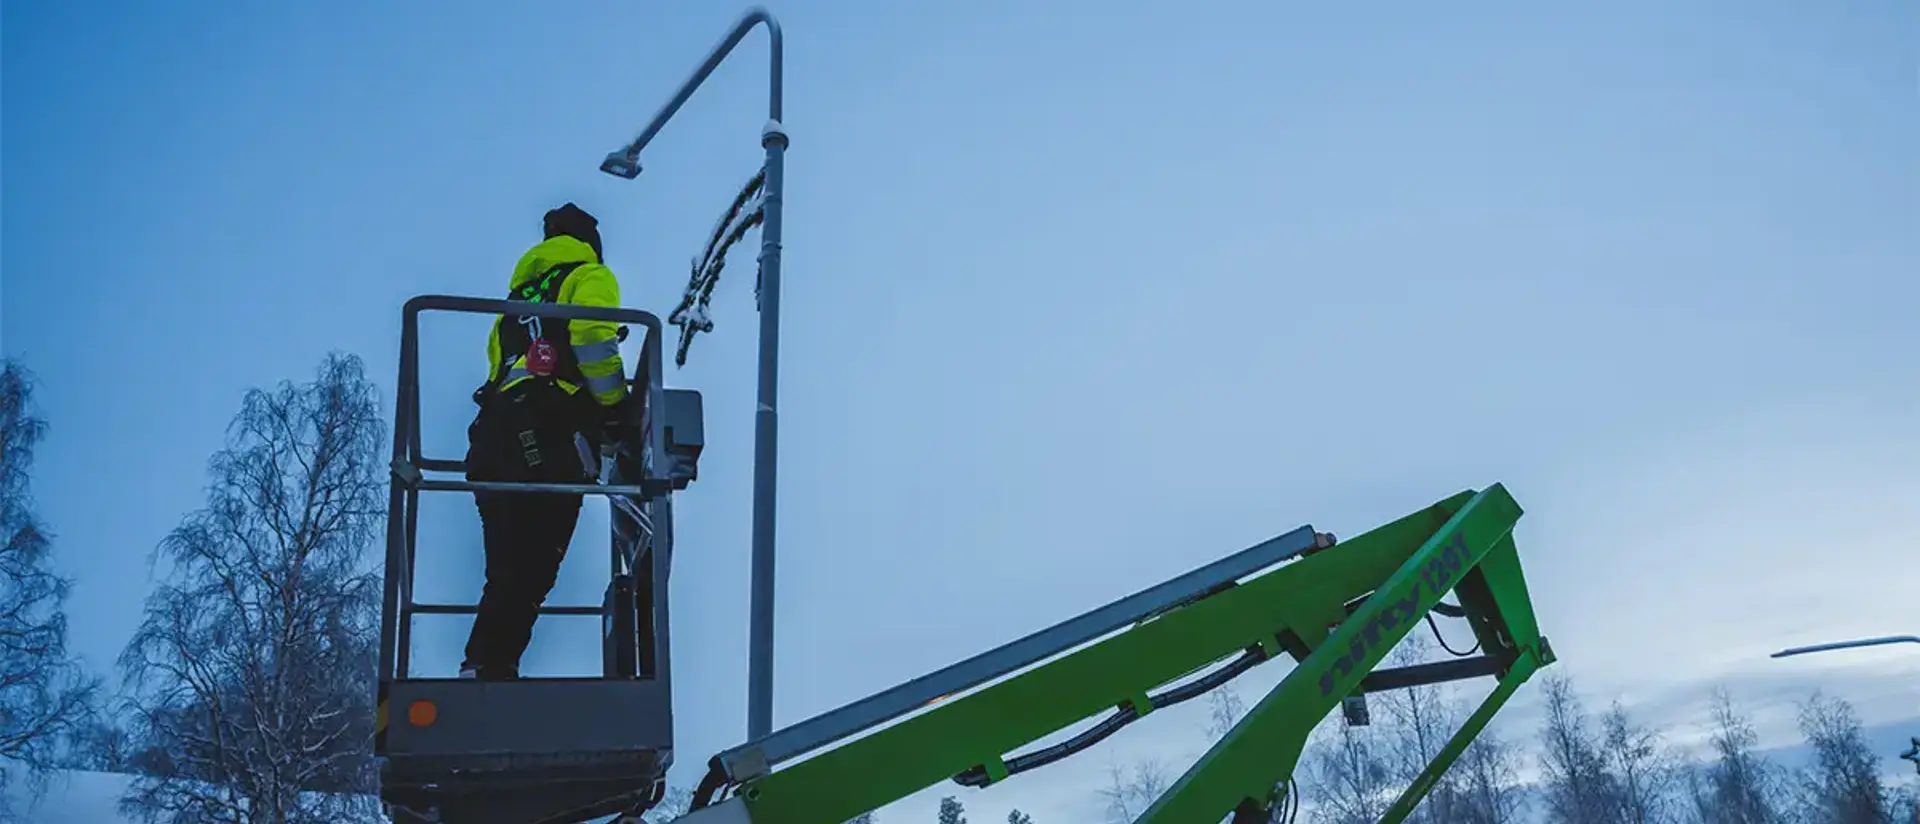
(525, 434)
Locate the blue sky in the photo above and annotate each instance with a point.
(1077, 297)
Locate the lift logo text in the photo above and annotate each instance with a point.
(1436, 575)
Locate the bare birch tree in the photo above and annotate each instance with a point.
(1737, 785)
(1130, 791)
(1488, 788)
(45, 697)
(1644, 772)
(1420, 720)
(1224, 709)
(1906, 804)
(1577, 785)
(1352, 776)
(1842, 785)
(952, 811)
(251, 673)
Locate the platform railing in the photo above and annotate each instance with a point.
(643, 504)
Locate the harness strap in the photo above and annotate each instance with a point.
(516, 334)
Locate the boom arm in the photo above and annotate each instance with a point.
(1337, 610)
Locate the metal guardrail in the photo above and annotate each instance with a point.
(409, 465)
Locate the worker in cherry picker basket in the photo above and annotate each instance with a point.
(554, 393)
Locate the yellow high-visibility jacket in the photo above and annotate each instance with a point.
(595, 345)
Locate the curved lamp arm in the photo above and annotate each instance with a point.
(626, 161)
(1864, 642)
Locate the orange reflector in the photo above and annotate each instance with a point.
(422, 713)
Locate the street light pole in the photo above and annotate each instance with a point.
(625, 163)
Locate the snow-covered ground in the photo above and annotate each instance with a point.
(75, 797)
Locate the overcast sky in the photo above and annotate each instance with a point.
(1078, 296)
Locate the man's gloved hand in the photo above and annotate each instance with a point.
(614, 425)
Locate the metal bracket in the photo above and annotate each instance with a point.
(407, 473)
(745, 764)
(773, 134)
(1354, 708)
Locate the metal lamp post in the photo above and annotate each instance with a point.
(625, 163)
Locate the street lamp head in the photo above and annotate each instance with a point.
(622, 164)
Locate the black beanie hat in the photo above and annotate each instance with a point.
(574, 222)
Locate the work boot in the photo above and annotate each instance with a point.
(489, 673)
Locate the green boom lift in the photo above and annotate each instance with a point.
(566, 750)
(1336, 609)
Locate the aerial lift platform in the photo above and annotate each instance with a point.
(539, 749)
(567, 750)
(563, 750)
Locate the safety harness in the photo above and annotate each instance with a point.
(533, 337)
